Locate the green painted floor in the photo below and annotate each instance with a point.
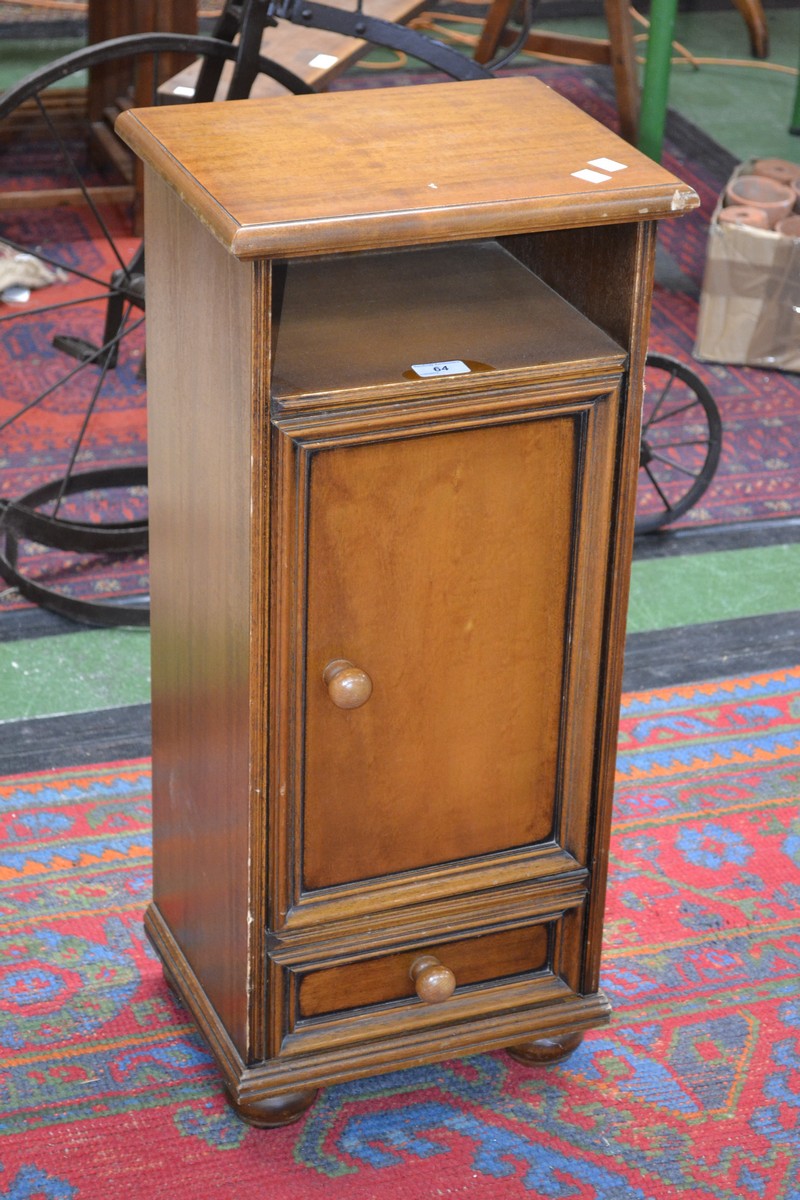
(74, 672)
(106, 668)
(721, 586)
(18, 58)
(745, 108)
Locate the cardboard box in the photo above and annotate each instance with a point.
(750, 302)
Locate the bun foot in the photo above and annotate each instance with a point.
(274, 1111)
(546, 1050)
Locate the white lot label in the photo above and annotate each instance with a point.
(590, 176)
(323, 61)
(453, 367)
(607, 164)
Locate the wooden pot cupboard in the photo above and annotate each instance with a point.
(395, 357)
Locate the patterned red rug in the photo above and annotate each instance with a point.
(758, 477)
(693, 1092)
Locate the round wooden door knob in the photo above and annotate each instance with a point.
(348, 686)
(433, 981)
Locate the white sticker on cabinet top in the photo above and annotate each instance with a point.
(323, 61)
(453, 366)
(607, 164)
(590, 176)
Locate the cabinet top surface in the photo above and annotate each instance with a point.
(397, 166)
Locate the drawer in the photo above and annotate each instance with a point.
(349, 1001)
(387, 977)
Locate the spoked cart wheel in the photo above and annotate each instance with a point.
(74, 350)
(77, 355)
(681, 442)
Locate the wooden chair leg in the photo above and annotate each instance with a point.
(624, 66)
(618, 51)
(497, 18)
(753, 13)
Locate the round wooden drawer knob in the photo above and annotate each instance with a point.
(348, 686)
(433, 981)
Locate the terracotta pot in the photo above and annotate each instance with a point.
(744, 214)
(776, 199)
(779, 169)
(789, 226)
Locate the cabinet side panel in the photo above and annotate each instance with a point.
(200, 303)
(592, 268)
(607, 273)
(642, 273)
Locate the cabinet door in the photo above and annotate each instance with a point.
(443, 562)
